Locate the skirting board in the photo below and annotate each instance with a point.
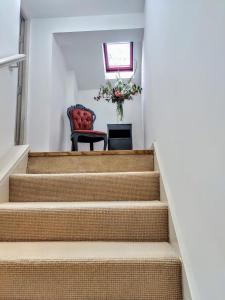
(172, 231)
(15, 161)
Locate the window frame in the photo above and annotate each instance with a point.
(109, 69)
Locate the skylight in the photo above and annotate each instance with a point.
(118, 57)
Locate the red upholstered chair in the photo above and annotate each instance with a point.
(82, 124)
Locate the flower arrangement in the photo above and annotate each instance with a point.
(118, 92)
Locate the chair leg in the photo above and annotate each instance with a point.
(74, 143)
(91, 146)
(105, 143)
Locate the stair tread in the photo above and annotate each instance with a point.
(20, 206)
(102, 174)
(94, 162)
(91, 153)
(87, 251)
(84, 221)
(84, 187)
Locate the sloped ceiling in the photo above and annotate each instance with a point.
(74, 8)
(83, 53)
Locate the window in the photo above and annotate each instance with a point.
(118, 57)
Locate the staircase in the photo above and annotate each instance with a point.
(87, 226)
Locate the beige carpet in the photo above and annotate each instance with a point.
(97, 162)
(77, 221)
(85, 187)
(87, 236)
(89, 271)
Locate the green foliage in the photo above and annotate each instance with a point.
(119, 92)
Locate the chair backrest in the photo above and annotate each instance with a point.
(81, 118)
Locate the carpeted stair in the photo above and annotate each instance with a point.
(85, 187)
(90, 162)
(80, 221)
(87, 235)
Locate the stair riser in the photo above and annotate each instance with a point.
(91, 280)
(84, 187)
(142, 224)
(90, 164)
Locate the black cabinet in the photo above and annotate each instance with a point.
(120, 137)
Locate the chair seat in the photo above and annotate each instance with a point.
(94, 132)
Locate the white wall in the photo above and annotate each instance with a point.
(9, 36)
(58, 106)
(83, 53)
(184, 73)
(40, 71)
(106, 114)
(71, 99)
(64, 94)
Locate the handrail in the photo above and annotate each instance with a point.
(7, 61)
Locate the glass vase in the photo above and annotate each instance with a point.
(119, 111)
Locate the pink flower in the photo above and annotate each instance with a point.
(118, 94)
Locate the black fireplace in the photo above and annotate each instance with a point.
(120, 137)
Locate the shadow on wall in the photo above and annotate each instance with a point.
(62, 133)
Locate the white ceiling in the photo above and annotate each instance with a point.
(74, 8)
(83, 53)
